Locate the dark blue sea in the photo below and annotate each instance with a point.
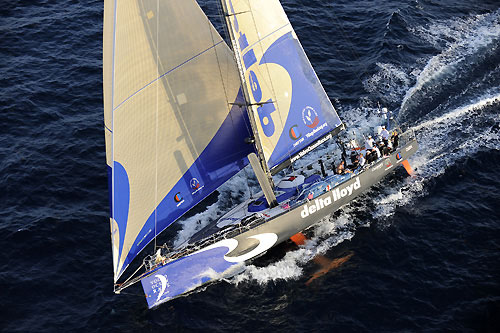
(425, 250)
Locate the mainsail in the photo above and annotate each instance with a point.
(174, 132)
(292, 112)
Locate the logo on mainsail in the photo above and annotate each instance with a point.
(178, 198)
(310, 117)
(195, 185)
(293, 133)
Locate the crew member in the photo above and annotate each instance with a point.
(385, 135)
(361, 160)
(384, 149)
(395, 140)
(369, 143)
(377, 152)
(370, 156)
(354, 158)
(341, 169)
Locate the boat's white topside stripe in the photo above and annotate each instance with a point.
(266, 241)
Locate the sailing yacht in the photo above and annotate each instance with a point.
(184, 112)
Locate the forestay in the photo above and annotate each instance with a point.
(292, 112)
(172, 133)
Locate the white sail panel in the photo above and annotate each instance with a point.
(291, 108)
(173, 135)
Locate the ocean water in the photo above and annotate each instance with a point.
(425, 250)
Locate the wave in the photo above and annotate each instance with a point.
(467, 46)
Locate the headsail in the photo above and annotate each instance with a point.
(173, 130)
(292, 112)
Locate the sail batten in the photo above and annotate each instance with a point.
(171, 92)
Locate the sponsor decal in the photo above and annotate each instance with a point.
(336, 194)
(376, 167)
(311, 147)
(410, 147)
(388, 164)
(160, 285)
(195, 185)
(294, 135)
(178, 198)
(310, 117)
(316, 130)
(295, 144)
(398, 156)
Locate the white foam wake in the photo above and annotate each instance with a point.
(444, 140)
(458, 39)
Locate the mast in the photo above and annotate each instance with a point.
(253, 124)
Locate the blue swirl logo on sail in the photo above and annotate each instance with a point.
(309, 102)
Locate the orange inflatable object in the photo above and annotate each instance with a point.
(408, 168)
(299, 238)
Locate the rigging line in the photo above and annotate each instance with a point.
(157, 106)
(237, 54)
(211, 29)
(222, 79)
(115, 269)
(227, 36)
(240, 108)
(129, 278)
(269, 76)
